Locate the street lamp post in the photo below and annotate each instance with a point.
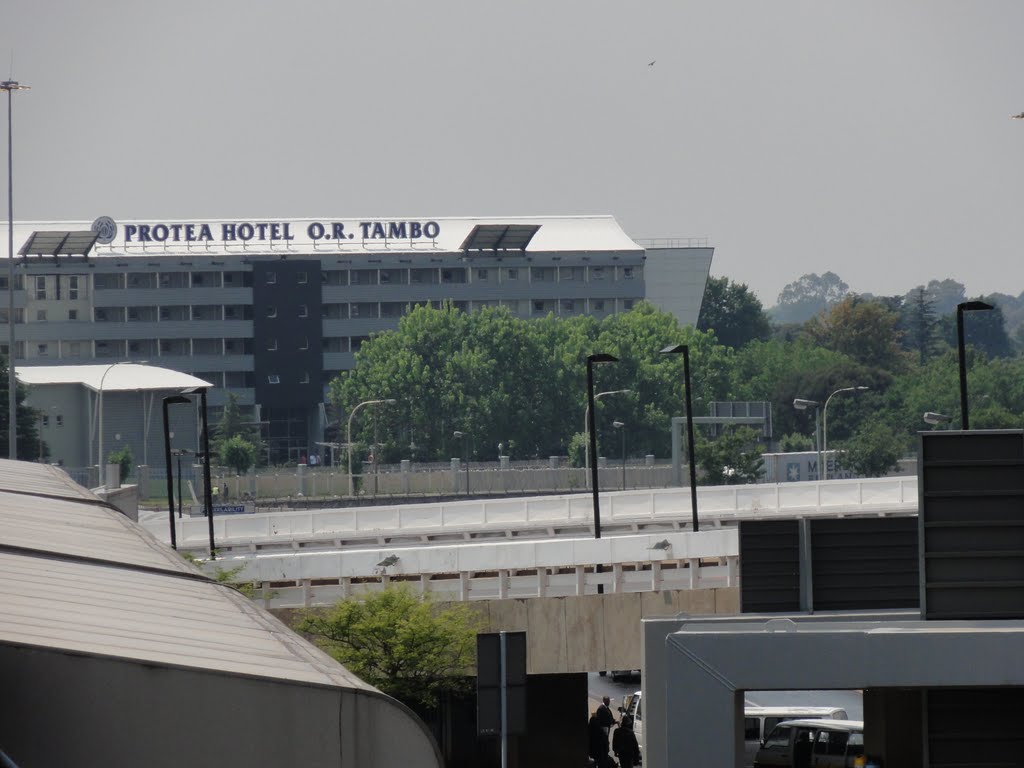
(965, 306)
(685, 351)
(389, 401)
(621, 426)
(12, 383)
(168, 401)
(592, 433)
(101, 460)
(824, 423)
(802, 405)
(586, 425)
(465, 452)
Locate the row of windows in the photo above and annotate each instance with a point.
(143, 348)
(341, 277)
(334, 311)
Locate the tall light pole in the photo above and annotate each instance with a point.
(824, 422)
(965, 306)
(621, 426)
(12, 383)
(389, 401)
(586, 425)
(465, 452)
(802, 405)
(101, 459)
(592, 432)
(690, 449)
(169, 401)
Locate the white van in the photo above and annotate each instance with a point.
(758, 722)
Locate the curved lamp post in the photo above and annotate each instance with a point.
(685, 351)
(621, 425)
(12, 383)
(802, 405)
(592, 433)
(101, 460)
(965, 306)
(586, 426)
(465, 452)
(824, 423)
(168, 401)
(389, 401)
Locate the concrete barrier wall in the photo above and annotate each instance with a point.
(714, 503)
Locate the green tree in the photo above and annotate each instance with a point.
(919, 325)
(733, 313)
(28, 420)
(399, 642)
(873, 451)
(238, 453)
(796, 443)
(865, 331)
(122, 457)
(985, 331)
(733, 458)
(806, 297)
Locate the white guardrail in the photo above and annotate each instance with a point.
(469, 519)
(560, 567)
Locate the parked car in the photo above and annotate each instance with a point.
(812, 744)
(758, 722)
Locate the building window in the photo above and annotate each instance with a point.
(272, 345)
(481, 274)
(271, 311)
(597, 273)
(46, 420)
(627, 304)
(41, 315)
(72, 314)
(353, 310)
(599, 305)
(273, 379)
(538, 306)
(304, 379)
(271, 278)
(40, 287)
(73, 288)
(60, 420)
(301, 278)
(43, 350)
(568, 305)
(76, 349)
(303, 310)
(627, 272)
(513, 273)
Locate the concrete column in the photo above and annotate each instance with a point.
(406, 467)
(301, 479)
(112, 475)
(649, 460)
(463, 586)
(602, 462)
(456, 466)
(553, 462)
(503, 579)
(142, 475)
(504, 462)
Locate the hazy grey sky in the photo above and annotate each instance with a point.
(870, 138)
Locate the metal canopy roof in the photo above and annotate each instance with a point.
(500, 237)
(125, 377)
(59, 243)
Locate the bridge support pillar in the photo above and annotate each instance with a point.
(463, 586)
(503, 579)
(694, 573)
(580, 580)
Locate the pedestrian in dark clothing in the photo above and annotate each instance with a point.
(605, 716)
(597, 743)
(625, 745)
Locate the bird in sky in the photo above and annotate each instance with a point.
(651, 63)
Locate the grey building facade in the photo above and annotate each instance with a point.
(273, 310)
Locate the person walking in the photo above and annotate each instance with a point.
(625, 745)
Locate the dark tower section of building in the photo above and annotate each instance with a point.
(287, 355)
